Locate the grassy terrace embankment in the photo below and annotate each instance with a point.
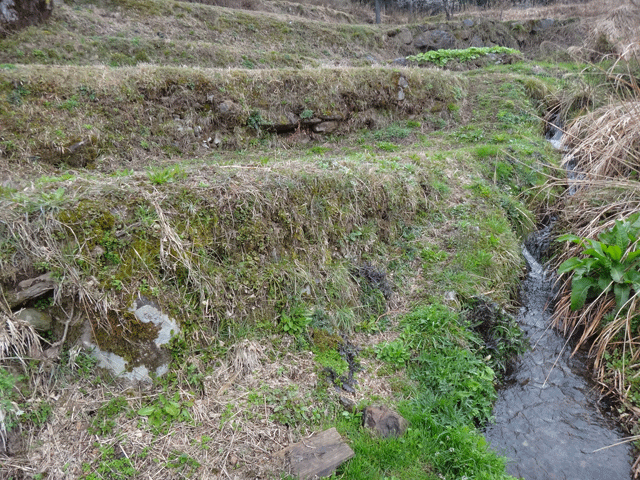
(272, 250)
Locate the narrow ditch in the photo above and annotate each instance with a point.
(547, 419)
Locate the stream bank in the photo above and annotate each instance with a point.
(547, 419)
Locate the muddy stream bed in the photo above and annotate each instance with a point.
(547, 419)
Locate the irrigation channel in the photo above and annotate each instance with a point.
(547, 419)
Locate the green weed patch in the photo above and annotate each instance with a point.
(443, 56)
(455, 393)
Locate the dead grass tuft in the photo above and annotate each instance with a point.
(604, 163)
(245, 357)
(605, 144)
(615, 32)
(18, 339)
(556, 10)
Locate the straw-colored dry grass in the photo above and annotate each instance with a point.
(604, 153)
(556, 10)
(232, 435)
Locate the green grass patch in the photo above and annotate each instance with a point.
(455, 392)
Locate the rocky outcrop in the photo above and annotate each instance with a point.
(435, 40)
(30, 289)
(40, 320)
(16, 14)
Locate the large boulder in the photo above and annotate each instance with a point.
(435, 40)
(21, 13)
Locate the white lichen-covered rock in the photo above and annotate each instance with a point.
(150, 356)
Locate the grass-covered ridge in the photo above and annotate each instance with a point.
(107, 118)
(128, 33)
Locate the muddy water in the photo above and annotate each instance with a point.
(547, 420)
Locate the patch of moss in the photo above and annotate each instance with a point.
(323, 341)
(141, 255)
(89, 220)
(332, 360)
(126, 335)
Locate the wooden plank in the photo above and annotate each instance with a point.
(317, 456)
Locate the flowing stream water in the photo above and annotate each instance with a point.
(547, 420)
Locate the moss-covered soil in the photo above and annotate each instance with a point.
(284, 216)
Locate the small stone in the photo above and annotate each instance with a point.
(476, 41)
(97, 251)
(228, 107)
(384, 422)
(400, 94)
(292, 118)
(543, 24)
(41, 321)
(348, 404)
(435, 40)
(316, 456)
(326, 127)
(233, 460)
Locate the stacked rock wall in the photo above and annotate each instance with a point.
(16, 14)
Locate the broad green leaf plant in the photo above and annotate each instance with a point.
(443, 56)
(610, 263)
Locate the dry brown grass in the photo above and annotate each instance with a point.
(604, 152)
(18, 340)
(232, 434)
(558, 10)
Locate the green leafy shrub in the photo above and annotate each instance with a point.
(289, 407)
(111, 466)
(387, 146)
(160, 176)
(9, 411)
(396, 353)
(610, 264)
(443, 56)
(165, 411)
(104, 422)
(296, 320)
(182, 462)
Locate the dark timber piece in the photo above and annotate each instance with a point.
(317, 456)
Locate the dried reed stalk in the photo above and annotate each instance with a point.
(604, 150)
